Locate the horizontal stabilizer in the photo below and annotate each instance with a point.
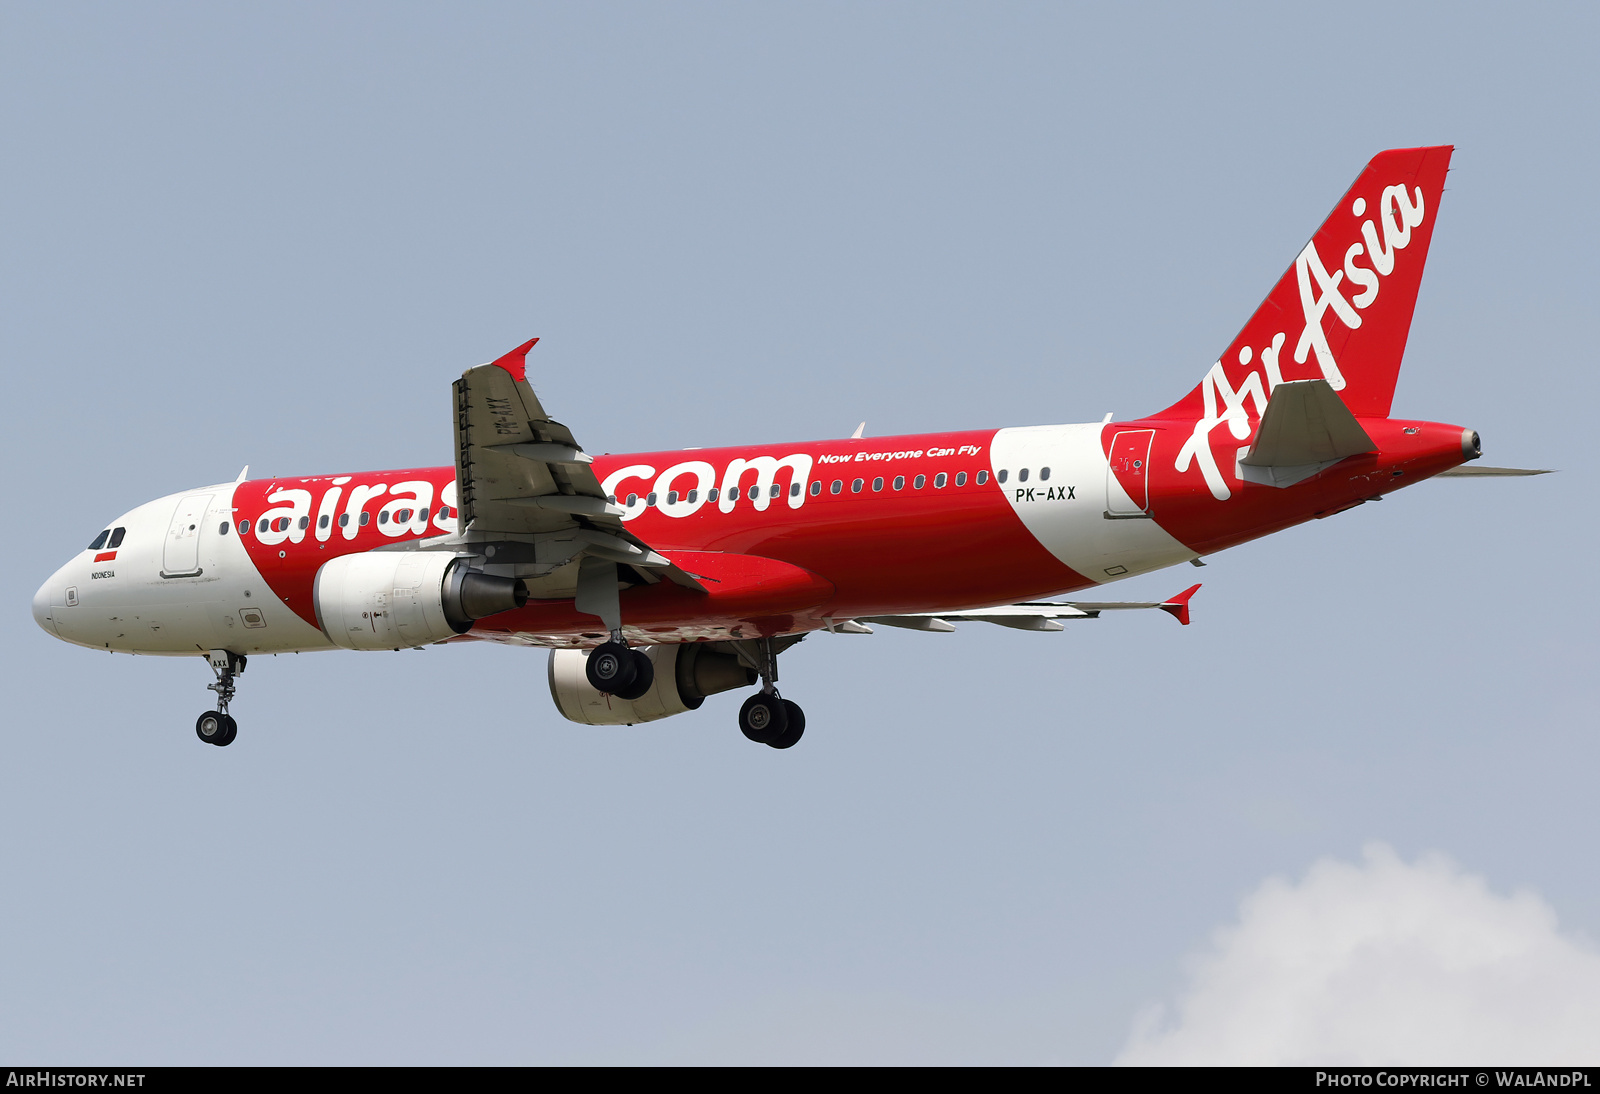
(1306, 428)
(1473, 471)
(1034, 616)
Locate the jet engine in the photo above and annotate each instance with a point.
(386, 600)
(685, 675)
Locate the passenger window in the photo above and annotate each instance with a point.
(776, 489)
(244, 528)
(816, 487)
(100, 540)
(1044, 474)
(838, 485)
(855, 487)
(714, 494)
(939, 480)
(305, 522)
(1000, 475)
(650, 499)
(344, 520)
(633, 499)
(223, 530)
(983, 477)
(899, 482)
(755, 492)
(116, 537)
(794, 490)
(422, 516)
(366, 518)
(383, 517)
(920, 481)
(877, 483)
(961, 478)
(672, 497)
(403, 516)
(1022, 476)
(322, 521)
(694, 496)
(611, 498)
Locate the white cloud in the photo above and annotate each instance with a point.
(1383, 962)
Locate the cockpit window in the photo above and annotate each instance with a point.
(116, 537)
(100, 540)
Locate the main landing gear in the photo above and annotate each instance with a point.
(613, 668)
(766, 717)
(215, 727)
(617, 670)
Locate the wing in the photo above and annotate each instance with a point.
(1035, 616)
(522, 477)
(517, 469)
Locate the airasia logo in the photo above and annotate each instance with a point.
(1321, 292)
(407, 508)
(684, 488)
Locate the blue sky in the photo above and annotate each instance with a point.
(274, 234)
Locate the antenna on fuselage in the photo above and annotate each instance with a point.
(860, 429)
(243, 473)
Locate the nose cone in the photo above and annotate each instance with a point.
(41, 608)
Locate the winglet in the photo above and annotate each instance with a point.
(1178, 606)
(516, 362)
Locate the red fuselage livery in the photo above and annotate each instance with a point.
(659, 578)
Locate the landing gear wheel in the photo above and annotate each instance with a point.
(763, 718)
(612, 668)
(644, 676)
(211, 727)
(796, 727)
(617, 670)
(214, 727)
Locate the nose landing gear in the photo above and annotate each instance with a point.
(215, 727)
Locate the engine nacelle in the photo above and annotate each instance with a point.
(387, 600)
(685, 675)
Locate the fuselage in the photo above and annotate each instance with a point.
(786, 538)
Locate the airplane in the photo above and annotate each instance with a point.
(658, 579)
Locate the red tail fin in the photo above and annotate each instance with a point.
(1343, 309)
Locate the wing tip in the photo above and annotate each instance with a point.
(516, 362)
(1178, 606)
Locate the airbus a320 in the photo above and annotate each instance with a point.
(658, 579)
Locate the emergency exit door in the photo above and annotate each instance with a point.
(1128, 476)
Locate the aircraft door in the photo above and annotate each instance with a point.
(180, 556)
(1128, 475)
